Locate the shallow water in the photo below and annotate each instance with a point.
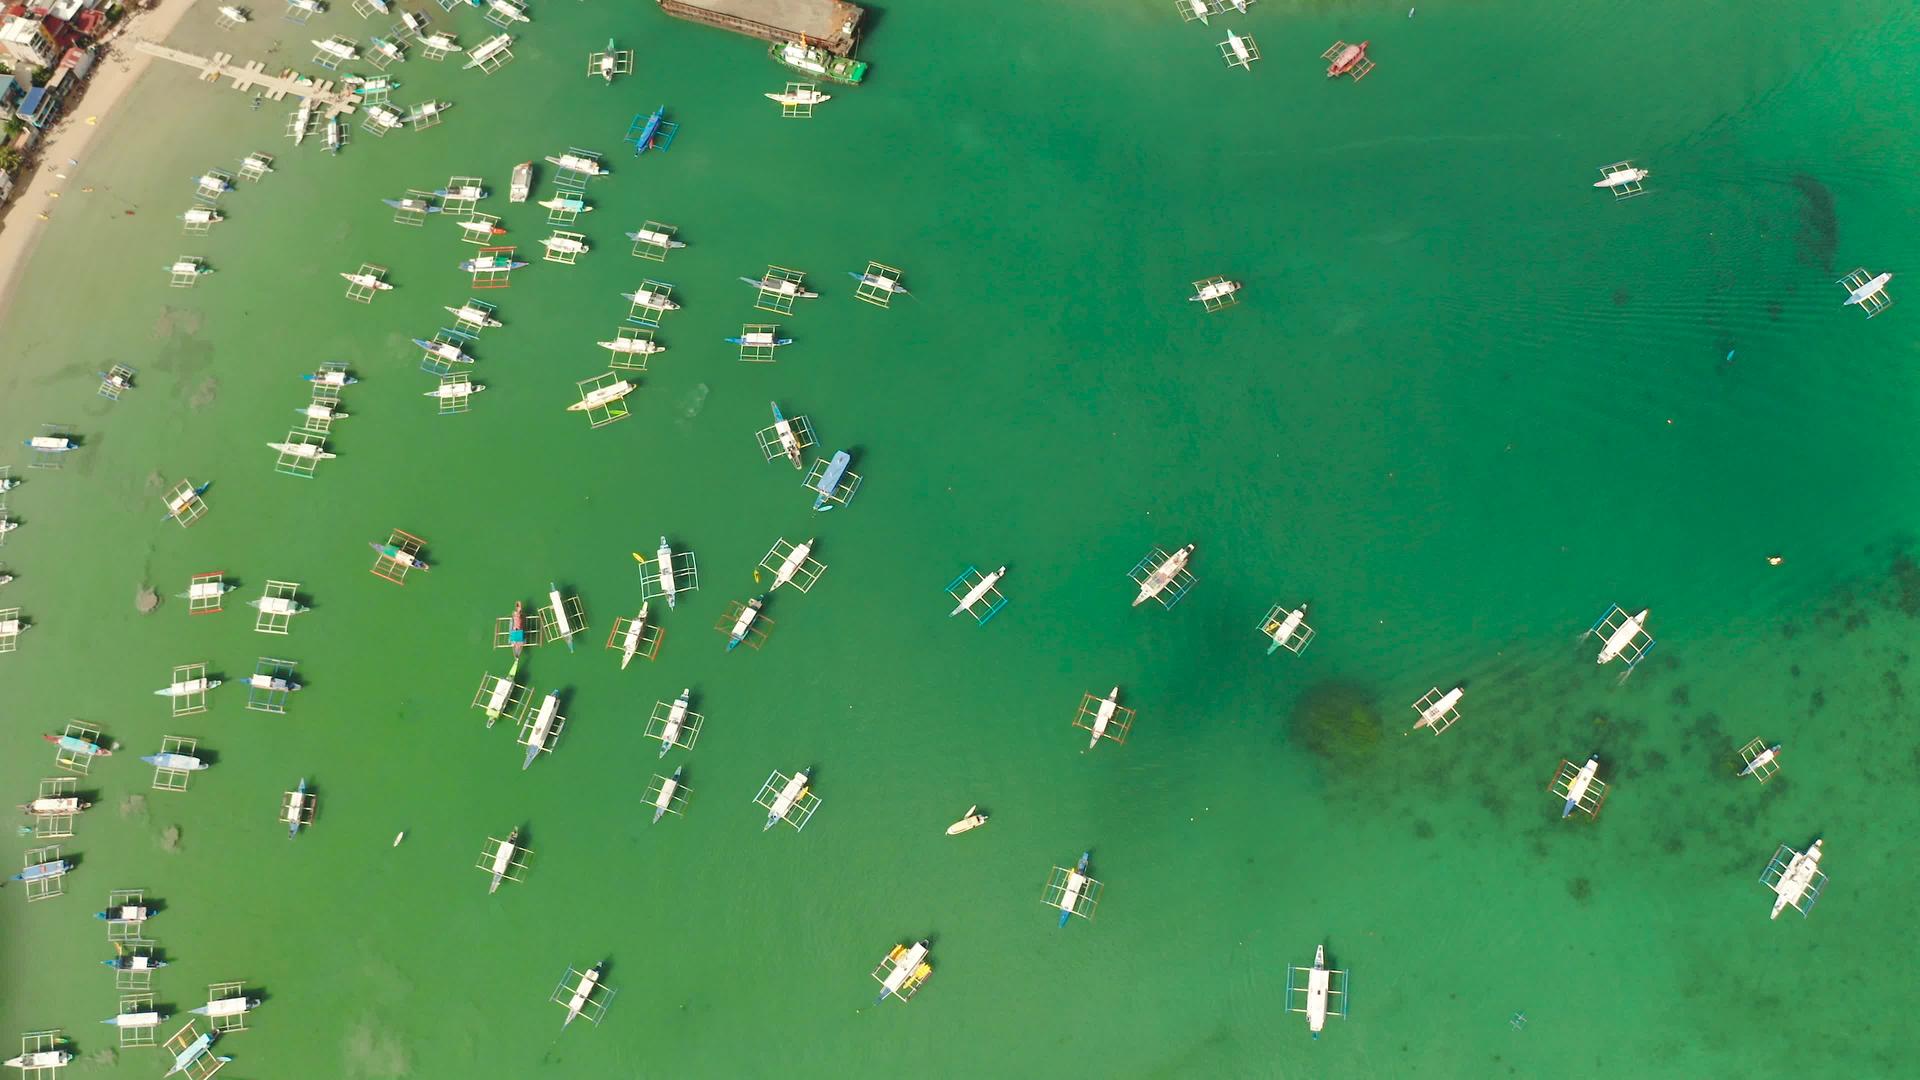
(1468, 403)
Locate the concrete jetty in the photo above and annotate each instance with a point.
(252, 77)
(831, 24)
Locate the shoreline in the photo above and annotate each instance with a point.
(37, 192)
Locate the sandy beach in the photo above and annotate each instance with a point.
(39, 190)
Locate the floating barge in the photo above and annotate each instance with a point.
(833, 25)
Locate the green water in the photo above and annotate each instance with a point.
(1468, 403)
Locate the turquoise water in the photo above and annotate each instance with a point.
(1468, 403)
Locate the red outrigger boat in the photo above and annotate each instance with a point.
(1345, 59)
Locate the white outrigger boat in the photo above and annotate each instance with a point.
(235, 15)
(336, 134)
(676, 719)
(392, 50)
(202, 215)
(256, 163)
(47, 806)
(467, 313)
(781, 287)
(237, 1005)
(1163, 575)
(1622, 177)
(367, 281)
(51, 444)
(209, 184)
(800, 97)
(668, 587)
(796, 558)
(565, 245)
(1864, 292)
(509, 11)
(590, 978)
(1797, 880)
(560, 625)
(414, 23)
(581, 164)
(480, 227)
(465, 191)
(1214, 291)
(795, 787)
(788, 440)
(1437, 712)
(187, 687)
(387, 118)
(190, 1055)
(881, 283)
(743, 623)
(311, 7)
(537, 740)
(1104, 716)
(428, 110)
(190, 267)
(337, 49)
(439, 42)
(663, 802)
(521, 185)
(181, 503)
(331, 377)
(1621, 640)
(205, 590)
(459, 389)
(973, 820)
(275, 683)
(604, 395)
(647, 298)
(443, 350)
(1318, 993)
(567, 203)
(487, 50)
(906, 969)
(33, 1061)
(136, 1020)
(655, 238)
(633, 346)
(1578, 785)
(979, 592)
(630, 644)
(1758, 766)
(175, 762)
(304, 451)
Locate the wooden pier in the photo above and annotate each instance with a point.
(252, 77)
(831, 24)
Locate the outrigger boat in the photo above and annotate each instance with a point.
(565, 245)
(8, 483)
(73, 744)
(657, 239)
(302, 118)
(136, 1020)
(427, 110)
(256, 163)
(175, 762)
(522, 183)
(590, 978)
(417, 24)
(296, 808)
(338, 49)
(464, 191)
(379, 84)
(796, 787)
(117, 380)
(646, 297)
(1796, 880)
(800, 97)
(783, 430)
(566, 202)
(668, 586)
(748, 612)
(277, 605)
(305, 451)
(367, 281)
(1282, 630)
(1199, 9)
(607, 63)
(404, 558)
(336, 134)
(1347, 59)
(205, 590)
(1619, 178)
(635, 630)
(781, 287)
(184, 688)
(602, 395)
(796, 558)
(676, 718)
(202, 215)
(479, 227)
(830, 480)
(459, 389)
(487, 50)
(234, 15)
(817, 61)
(910, 969)
(134, 963)
(1215, 290)
(664, 801)
(54, 868)
(391, 50)
(55, 806)
(1761, 760)
(388, 118)
(542, 726)
(583, 165)
(517, 631)
(276, 683)
(1070, 891)
(561, 626)
(979, 591)
(51, 444)
(467, 313)
(126, 913)
(510, 11)
(1108, 706)
(972, 821)
(762, 338)
(207, 182)
(490, 262)
(311, 7)
(633, 346)
(650, 133)
(14, 626)
(502, 693)
(881, 282)
(1577, 787)
(330, 378)
(1861, 293)
(418, 206)
(1319, 982)
(183, 501)
(443, 350)
(236, 1005)
(439, 41)
(201, 1046)
(187, 266)
(35, 1060)
(1163, 575)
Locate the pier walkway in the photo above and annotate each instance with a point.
(252, 77)
(832, 24)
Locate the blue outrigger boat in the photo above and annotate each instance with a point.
(45, 871)
(830, 480)
(1073, 891)
(651, 132)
